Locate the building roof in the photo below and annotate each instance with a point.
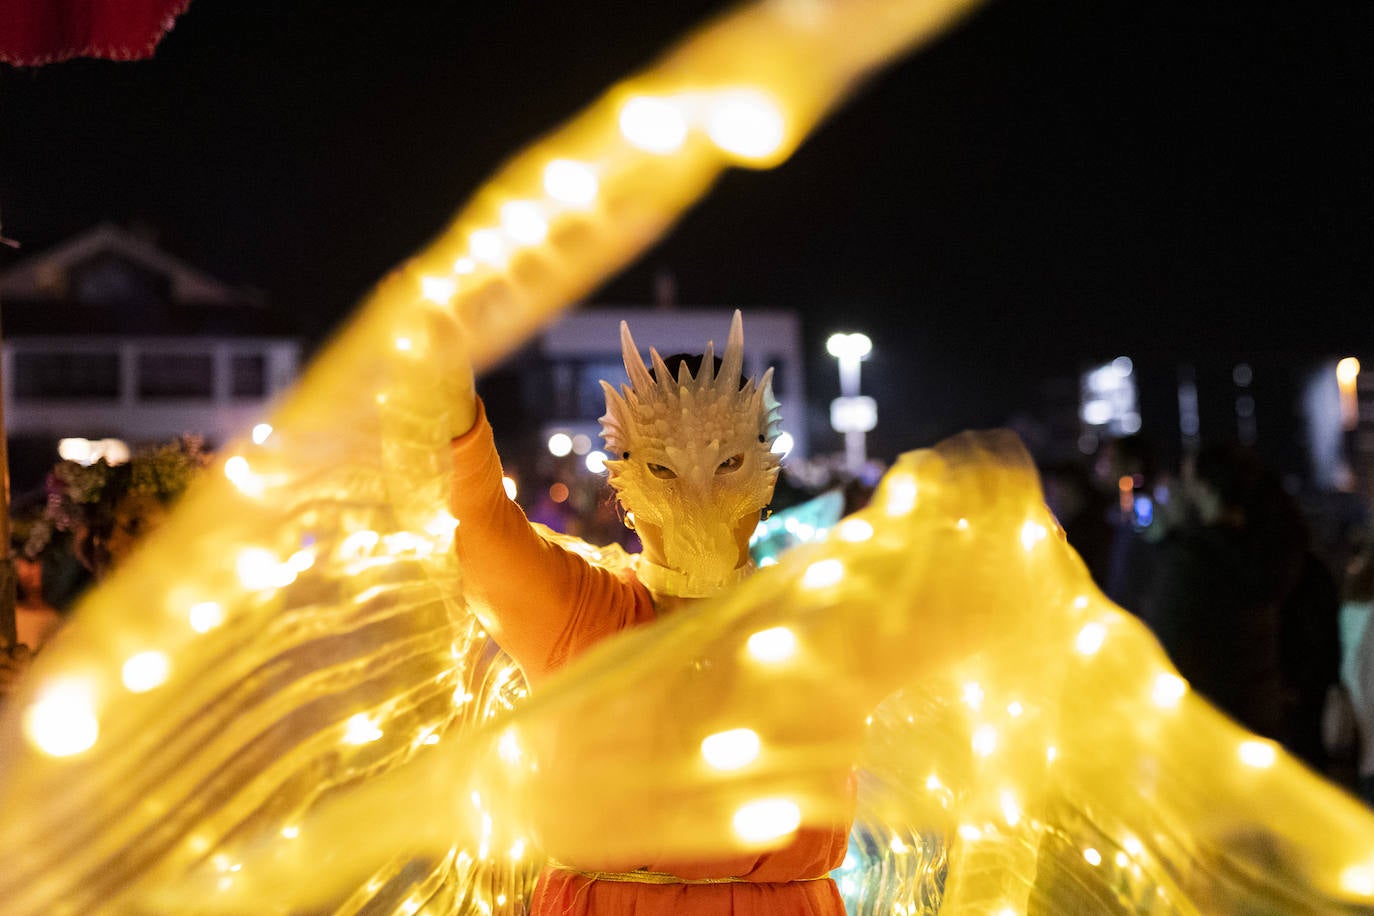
(108, 280)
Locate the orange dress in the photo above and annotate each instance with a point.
(547, 605)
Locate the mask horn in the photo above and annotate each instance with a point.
(634, 363)
(733, 362)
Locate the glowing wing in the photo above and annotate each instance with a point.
(282, 704)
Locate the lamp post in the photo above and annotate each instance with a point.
(851, 413)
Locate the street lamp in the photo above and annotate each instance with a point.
(851, 413)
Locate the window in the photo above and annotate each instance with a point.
(248, 376)
(66, 375)
(175, 375)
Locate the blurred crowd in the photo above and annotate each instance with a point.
(1261, 600)
(78, 527)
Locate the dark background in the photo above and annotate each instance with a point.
(1049, 184)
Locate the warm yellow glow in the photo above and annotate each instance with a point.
(898, 847)
(854, 530)
(1011, 809)
(970, 832)
(901, 494)
(730, 750)
(290, 832)
(1347, 370)
(261, 432)
(259, 569)
(439, 290)
(62, 722)
(1132, 845)
(145, 671)
(933, 783)
(487, 246)
(205, 616)
(1358, 879)
(776, 644)
(747, 124)
(301, 560)
(1051, 752)
(523, 222)
(1092, 856)
(962, 524)
(1121, 860)
(508, 747)
(1090, 638)
(571, 183)
(1014, 709)
(984, 740)
(973, 694)
(1168, 690)
(404, 344)
(1258, 754)
(464, 265)
(361, 730)
(359, 544)
(560, 445)
(517, 850)
(766, 819)
(653, 125)
(823, 573)
(1032, 533)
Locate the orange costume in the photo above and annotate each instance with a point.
(546, 605)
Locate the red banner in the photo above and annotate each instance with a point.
(34, 32)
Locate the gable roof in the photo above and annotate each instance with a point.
(41, 278)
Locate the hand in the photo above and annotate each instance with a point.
(448, 344)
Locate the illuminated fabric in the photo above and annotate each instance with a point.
(695, 460)
(285, 704)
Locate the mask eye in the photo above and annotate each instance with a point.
(660, 471)
(730, 465)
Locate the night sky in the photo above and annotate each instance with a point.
(1048, 184)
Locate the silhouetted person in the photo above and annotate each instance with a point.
(1216, 598)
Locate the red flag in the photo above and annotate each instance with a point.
(34, 32)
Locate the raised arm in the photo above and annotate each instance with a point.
(541, 603)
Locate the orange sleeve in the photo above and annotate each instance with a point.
(541, 603)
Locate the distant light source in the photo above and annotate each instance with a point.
(560, 444)
(783, 444)
(509, 486)
(1347, 370)
(261, 432)
(596, 462)
(849, 346)
(89, 451)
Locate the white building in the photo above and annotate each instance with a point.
(107, 336)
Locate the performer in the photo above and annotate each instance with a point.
(692, 473)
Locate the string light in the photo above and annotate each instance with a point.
(571, 183)
(145, 671)
(62, 721)
(731, 750)
(822, 574)
(766, 819)
(746, 123)
(774, 645)
(1090, 639)
(653, 125)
